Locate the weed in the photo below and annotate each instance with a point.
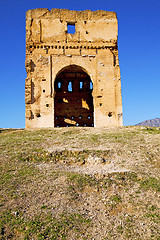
(150, 182)
(116, 198)
(80, 181)
(152, 130)
(120, 229)
(152, 208)
(42, 227)
(43, 207)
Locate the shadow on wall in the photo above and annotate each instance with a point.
(70, 112)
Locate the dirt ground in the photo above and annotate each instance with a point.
(80, 183)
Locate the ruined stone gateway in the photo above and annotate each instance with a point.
(73, 74)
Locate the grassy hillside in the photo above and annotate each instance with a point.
(80, 183)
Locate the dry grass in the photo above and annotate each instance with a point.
(80, 183)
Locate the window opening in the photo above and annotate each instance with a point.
(89, 117)
(72, 117)
(43, 90)
(80, 117)
(59, 85)
(81, 85)
(91, 86)
(71, 28)
(70, 86)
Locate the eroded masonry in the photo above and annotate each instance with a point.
(73, 74)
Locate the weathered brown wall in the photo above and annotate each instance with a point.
(93, 48)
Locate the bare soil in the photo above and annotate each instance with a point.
(80, 183)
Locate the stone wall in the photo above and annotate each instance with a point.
(53, 52)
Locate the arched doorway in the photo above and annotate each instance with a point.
(73, 101)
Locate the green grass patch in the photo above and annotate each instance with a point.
(80, 181)
(151, 130)
(12, 224)
(150, 182)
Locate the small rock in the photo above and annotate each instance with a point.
(16, 213)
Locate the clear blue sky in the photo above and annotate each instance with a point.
(139, 54)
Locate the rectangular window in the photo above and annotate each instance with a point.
(80, 85)
(70, 86)
(91, 86)
(71, 28)
(59, 86)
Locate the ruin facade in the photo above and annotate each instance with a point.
(72, 65)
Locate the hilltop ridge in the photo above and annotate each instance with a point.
(151, 123)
